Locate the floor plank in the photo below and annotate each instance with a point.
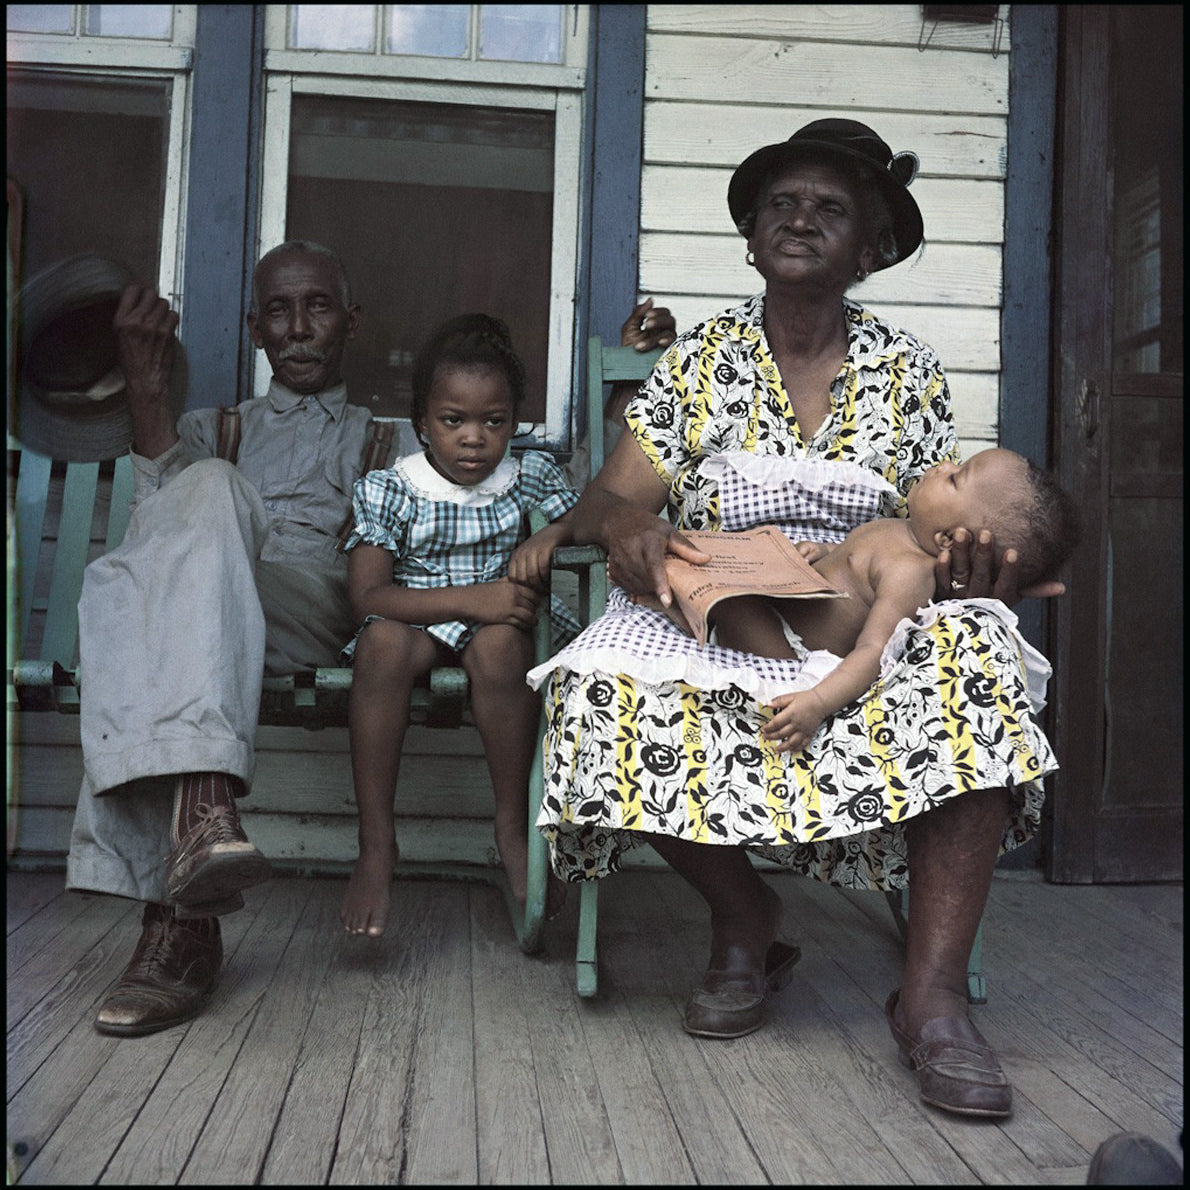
(440, 1054)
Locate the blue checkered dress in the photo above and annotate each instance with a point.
(443, 534)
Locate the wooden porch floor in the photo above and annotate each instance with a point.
(443, 1055)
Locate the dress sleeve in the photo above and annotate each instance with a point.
(928, 436)
(381, 507)
(544, 485)
(656, 417)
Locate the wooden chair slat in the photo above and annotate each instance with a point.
(70, 558)
(32, 491)
(121, 504)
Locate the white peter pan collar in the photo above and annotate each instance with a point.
(418, 472)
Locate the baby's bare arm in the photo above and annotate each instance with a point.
(900, 589)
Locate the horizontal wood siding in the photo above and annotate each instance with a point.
(722, 80)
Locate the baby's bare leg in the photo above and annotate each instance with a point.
(389, 657)
(750, 624)
(506, 714)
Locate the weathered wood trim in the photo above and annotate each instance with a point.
(223, 168)
(1026, 390)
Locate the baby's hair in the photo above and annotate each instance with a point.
(1051, 528)
(468, 341)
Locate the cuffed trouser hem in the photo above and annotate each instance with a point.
(167, 758)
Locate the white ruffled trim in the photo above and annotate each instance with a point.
(695, 668)
(1037, 668)
(813, 474)
(418, 473)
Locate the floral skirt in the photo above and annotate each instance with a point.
(951, 713)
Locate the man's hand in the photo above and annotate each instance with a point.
(146, 343)
(967, 571)
(648, 329)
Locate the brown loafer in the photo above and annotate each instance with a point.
(956, 1069)
(733, 1003)
(211, 865)
(172, 971)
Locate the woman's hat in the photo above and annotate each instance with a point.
(840, 138)
(71, 402)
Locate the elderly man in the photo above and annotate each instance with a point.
(228, 570)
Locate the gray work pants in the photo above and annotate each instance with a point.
(176, 627)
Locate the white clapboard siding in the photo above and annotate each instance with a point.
(947, 145)
(741, 69)
(694, 199)
(723, 80)
(884, 24)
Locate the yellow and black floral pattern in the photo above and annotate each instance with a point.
(625, 757)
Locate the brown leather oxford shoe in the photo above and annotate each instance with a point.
(173, 969)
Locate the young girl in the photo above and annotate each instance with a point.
(436, 577)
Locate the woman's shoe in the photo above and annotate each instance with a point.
(735, 1003)
(956, 1069)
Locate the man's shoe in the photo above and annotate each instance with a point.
(173, 970)
(734, 1003)
(213, 862)
(956, 1069)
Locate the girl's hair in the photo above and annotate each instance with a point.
(469, 341)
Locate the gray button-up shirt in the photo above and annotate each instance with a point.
(302, 453)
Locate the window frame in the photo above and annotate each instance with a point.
(570, 74)
(568, 108)
(96, 51)
(176, 162)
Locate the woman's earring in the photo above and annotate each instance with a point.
(749, 257)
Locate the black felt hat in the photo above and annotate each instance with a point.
(849, 140)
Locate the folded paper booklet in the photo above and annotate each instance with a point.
(761, 561)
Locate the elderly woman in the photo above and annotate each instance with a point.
(652, 740)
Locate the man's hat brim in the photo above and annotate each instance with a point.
(64, 325)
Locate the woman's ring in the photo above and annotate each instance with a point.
(955, 585)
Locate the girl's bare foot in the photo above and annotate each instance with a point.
(365, 905)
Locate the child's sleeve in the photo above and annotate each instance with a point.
(380, 508)
(544, 485)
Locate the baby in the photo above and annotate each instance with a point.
(887, 568)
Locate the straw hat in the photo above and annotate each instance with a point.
(70, 401)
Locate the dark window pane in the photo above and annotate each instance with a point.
(89, 158)
(437, 210)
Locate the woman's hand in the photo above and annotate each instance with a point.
(968, 571)
(638, 544)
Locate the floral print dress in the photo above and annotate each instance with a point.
(648, 734)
